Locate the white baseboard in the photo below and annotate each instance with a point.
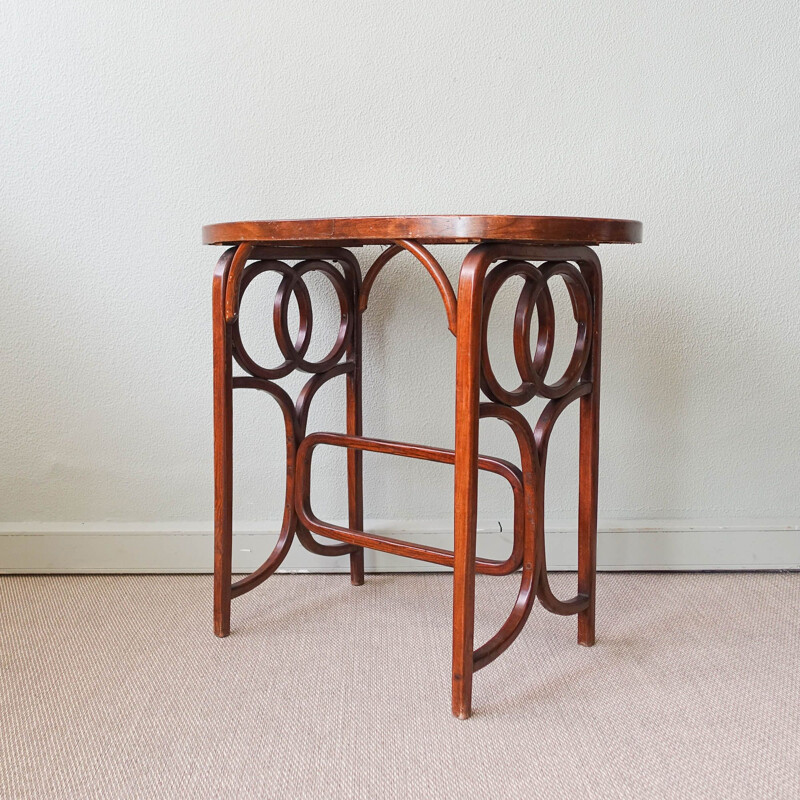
(622, 545)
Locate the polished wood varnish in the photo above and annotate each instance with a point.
(536, 249)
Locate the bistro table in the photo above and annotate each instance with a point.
(536, 249)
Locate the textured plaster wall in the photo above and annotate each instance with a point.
(125, 126)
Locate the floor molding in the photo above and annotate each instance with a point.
(623, 545)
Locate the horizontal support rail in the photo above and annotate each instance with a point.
(434, 555)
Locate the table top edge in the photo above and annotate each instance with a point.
(449, 229)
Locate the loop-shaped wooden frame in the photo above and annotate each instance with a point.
(427, 260)
(434, 555)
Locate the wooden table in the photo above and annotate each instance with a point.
(537, 249)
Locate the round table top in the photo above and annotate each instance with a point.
(458, 229)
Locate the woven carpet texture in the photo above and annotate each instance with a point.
(115, 687)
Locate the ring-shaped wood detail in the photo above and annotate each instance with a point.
(533, 367)
(294, 351)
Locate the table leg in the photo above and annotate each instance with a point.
(468, 349)
(589, 448)
(355, 458)
(223, 451)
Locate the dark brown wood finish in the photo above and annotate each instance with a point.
(537, 249)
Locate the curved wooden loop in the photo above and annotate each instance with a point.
(535, 581)
(513, 626)
(313, 546)
(536, 294)
(424, 256)
(312, 386)
(302, 407)
(541, 437)
(295, 417)
(303, 340)
(289, 523)
(583, 313)
(550, 413)
(564, 608)
(292, 283)
(434, 555)
(531, 477)
(372, 273)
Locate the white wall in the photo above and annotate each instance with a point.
(125, 126)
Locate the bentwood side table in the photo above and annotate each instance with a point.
(537, 249)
